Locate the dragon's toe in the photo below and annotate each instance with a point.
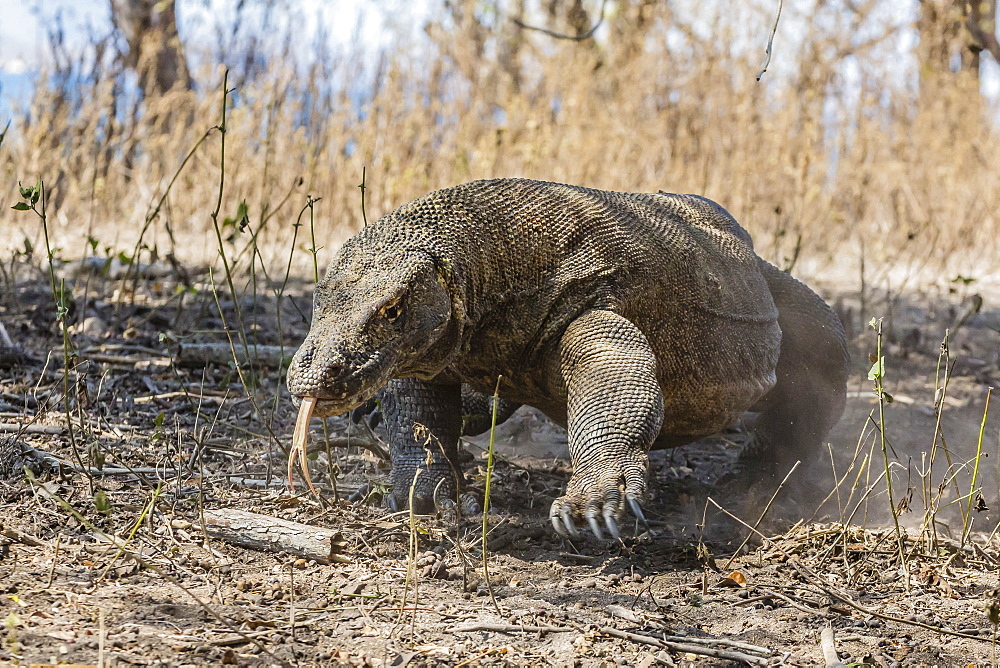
(600, 501)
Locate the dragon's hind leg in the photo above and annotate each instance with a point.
(809, 396)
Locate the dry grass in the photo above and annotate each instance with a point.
(825, 161)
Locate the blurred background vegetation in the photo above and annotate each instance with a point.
(868, 151)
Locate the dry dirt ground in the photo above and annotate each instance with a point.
(111, 567)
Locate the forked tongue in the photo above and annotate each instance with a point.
(300, 435)
(300, 439)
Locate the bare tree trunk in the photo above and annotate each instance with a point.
(946, 44)
(155, 51)
(982, 23)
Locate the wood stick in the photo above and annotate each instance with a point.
(20, 537)
(624, 635)
(12, 428)
(829, 649)
(200, 354)
(512, 628)
(685, 647)
(270, 534)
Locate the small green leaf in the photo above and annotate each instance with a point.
(872, 322)
(102, 503)
(241, 210)
(158, 421)
(877, 370)
(21, 206)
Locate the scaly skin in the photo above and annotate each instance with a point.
(637, 321)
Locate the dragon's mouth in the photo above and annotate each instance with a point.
(352, 390)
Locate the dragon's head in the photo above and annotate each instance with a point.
(376, 316)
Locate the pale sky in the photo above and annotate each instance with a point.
(23, 25)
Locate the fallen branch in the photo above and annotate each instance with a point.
(14, 428)
(270, 534)
(829, 649)
(19, 537)
(686, 647)
(200, 354)
(513, 628)
(689, 645)
(11, 356)
(625, 613)
(53, 461)
(796, 605)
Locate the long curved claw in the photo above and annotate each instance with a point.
(609, 521)
(633, 503)
(359, 494)
(556, 520)
(567, 519)
(595, 526)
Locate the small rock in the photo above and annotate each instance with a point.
(94, 327)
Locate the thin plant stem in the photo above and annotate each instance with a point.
(363, 186)
(967, 521)
(879, 378)
(486, 496)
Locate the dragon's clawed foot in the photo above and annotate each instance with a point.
(600, 499)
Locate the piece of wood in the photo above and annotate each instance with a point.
(200, 354)
(19, 537)
(830, 655)
(270, 534)
(12, 428)
(13, 356)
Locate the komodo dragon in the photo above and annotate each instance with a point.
(636, 321)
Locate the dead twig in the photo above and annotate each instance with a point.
(794, 604)
(558, 35)
(770, 42)
(688, 647)
(762, 514)
(50, 429)
(829, 649)
(19, 537)
(513, 628)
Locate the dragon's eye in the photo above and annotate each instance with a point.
(391, 311)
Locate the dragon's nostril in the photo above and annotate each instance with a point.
(333, 370)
